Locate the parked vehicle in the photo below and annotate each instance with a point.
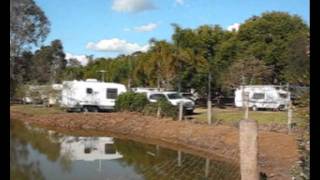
(174, 98)
(43, 94)
(189, 96)
(90, 95)
(263, 97)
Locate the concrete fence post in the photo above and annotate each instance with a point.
(248, 133)
(180, 111)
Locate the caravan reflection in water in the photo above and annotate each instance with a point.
(89, 148)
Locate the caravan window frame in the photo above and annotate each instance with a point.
(261, 96)
(111, 95)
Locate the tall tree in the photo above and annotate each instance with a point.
(297, 70)
(250, 69)
(49, 63)
(266, 37)
(28, 26)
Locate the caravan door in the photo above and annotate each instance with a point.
(91, 97)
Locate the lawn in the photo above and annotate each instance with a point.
(231, 115)
(36, 109)
(227, 115)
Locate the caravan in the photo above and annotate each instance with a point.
(263, 97)
(90, 95)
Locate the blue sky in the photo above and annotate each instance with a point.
(106, 28)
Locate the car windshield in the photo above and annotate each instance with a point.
(174, 96)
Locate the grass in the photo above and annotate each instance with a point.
(36, 109)
(231, 115)
(228, 115)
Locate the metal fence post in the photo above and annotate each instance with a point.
(248, 134)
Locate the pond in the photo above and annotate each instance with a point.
(37, 153)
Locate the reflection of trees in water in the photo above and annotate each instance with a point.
(159, 163)
(40, 140)
(20, 168)
(65, 161)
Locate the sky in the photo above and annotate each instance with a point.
(107, 28)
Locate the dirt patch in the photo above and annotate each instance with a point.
(277, 152)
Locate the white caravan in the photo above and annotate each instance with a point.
(263, 96)
(90, 95)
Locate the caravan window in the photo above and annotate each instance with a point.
(258, 96)
(283, 95)
(112, 93)
(89, 90)
(109, 149)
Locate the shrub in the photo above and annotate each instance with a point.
(130, 101)
(167, 110)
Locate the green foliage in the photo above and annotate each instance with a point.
(28, 26)
(137, 102)
(130, 101)
(267, 37)
(166, 109)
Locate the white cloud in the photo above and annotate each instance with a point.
(180, 2)
(144, 28)
(132, 5)
(116, 45)
(81, 58)
(234, 26)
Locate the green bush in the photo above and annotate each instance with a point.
(137, 102)
(167, 110)
(130, 101)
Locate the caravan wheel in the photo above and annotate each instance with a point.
(94, 109)
(85, 109)
(254, 108)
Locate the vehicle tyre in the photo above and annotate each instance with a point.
(85, 109)
(189, 112)
(254, 108)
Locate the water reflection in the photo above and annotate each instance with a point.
(42, 154)
(89, 148)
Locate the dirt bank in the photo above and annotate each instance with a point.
(277, 152)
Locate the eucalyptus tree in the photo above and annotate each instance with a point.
(28, 26)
